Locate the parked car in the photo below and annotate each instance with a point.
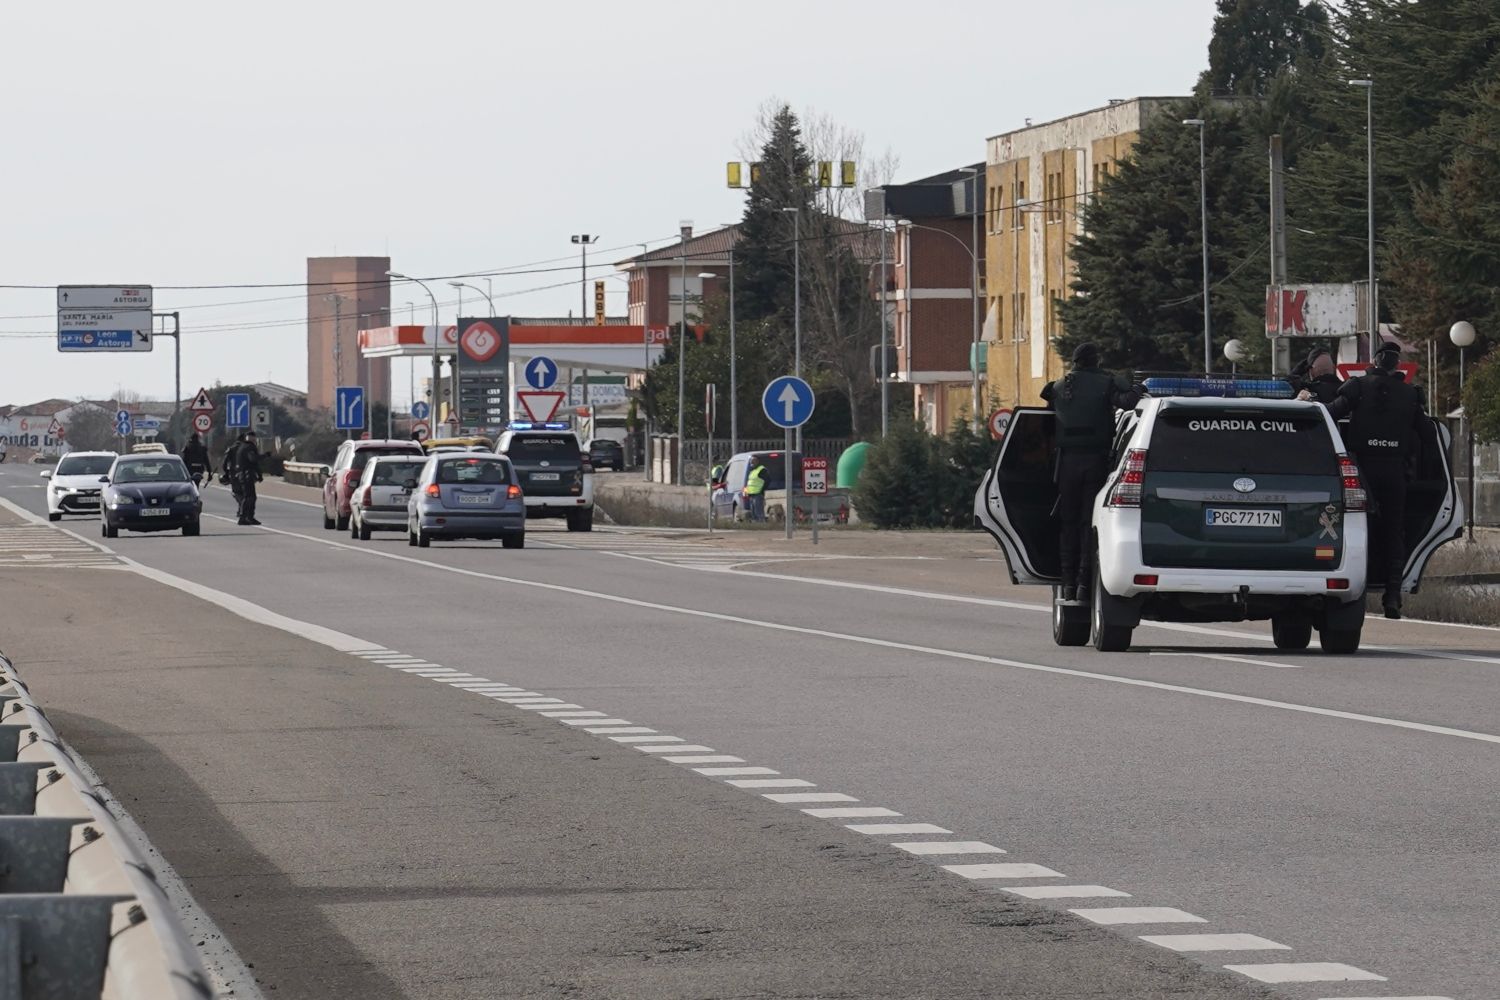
(348, 464)
(726, 497)
(605, 453)
(75, 486)
(554, 472)
(1215, 510)
(467, 495)
(149, 493)
(379, 500)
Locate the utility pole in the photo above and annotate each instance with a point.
(1281, 348)
(885, 339)
(681, 364)
(583, 240)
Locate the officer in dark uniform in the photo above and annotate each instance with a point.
(195, 456)
(226, 468)
(1085, 401)
(247, 473)
(1385, 416)
(1317, 378)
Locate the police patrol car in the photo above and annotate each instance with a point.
(1228, 500)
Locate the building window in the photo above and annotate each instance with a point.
(999, 319)
(1054, 315)
(1018, 194)
(994, 209)
(1054, 208)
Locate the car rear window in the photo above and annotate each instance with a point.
(543, 448)
(1204, 440)
(775, 463)
(395, 473)
(362, 456)
(485, 471)
(162, 470)
(85, 465)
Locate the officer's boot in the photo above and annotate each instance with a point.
(1392, 601)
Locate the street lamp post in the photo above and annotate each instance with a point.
(487, 296)
(583, 240)
(973, 172)
(885, 340)
(681, 365)
(796, 214)
(1462, 335)
(1208, 340)
(645, 361)
(734, 415)
(1371, 301)
(437, 335)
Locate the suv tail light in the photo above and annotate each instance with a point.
(350, 478)
(1127, 489)
(1355, 498)
(587, 464)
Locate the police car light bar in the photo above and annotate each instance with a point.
(550, 425)
(1220, 386)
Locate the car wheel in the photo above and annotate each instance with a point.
(327, 521)
(190, 530)
(353, 526)
(54, 517)
(411, 536)
(515, 541)
(1339, 640)
(342, 524)
(1070, 622)
(423, 542)
(1107, 638)
(109, 530)
(581, 520)
(362, 532)
(1291, 633)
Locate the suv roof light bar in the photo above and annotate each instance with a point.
(1193, 384)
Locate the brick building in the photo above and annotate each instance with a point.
(350, 294)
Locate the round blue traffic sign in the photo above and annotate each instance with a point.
(541, 373)
(788, 401)
(420, 410)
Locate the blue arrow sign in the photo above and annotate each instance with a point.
(420, 410)
(124, 425)
(541, 373)
(349, 408)
(237, 409)
(788, 401)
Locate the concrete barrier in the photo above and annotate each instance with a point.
(81, 913)
(304, 473)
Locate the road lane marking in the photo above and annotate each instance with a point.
(1110, 915)
(772, 783)
(605, 730)
(1229, 659)
(1214, 942)
(595, 722)
(1305, 972)
(946, 846)
(789, 797)
(892, 829)
(713, 758)
(1064, 891)
(673, 748)
(730, 772)
(851, 812)
(647, 739)
(1013, 869)
(1388, 998)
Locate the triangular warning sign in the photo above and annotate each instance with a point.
(540, 404)
(201, 402)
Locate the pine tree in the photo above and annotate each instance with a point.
(763, 288)
(1256, 41)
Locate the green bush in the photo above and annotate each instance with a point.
(912, 479)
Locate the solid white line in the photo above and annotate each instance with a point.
(851, 812)
(1214, 942)
(1063, 891)
(1230, 659)
(713, 758)
(948, 847)
(1305, 972)
(605, 730)
(1003, 870)
(1139, 915)
(648, 739)
(729, 772)
(884, 829)
(772, 783)
(788, 797)
(673, 748)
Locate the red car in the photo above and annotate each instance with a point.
(341, 477)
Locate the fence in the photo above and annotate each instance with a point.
(697, 459)
(81, 912)
(1486, 490)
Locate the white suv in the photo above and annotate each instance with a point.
(1218, 508)
(75, 486)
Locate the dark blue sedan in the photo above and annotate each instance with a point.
(149, 493)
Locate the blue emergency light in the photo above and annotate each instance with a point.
(550, 425)
(1219, 386)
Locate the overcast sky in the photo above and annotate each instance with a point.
(191, 143)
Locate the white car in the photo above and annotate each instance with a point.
(1218, 508)
(75, 486)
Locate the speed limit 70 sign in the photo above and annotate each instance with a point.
(815, 476)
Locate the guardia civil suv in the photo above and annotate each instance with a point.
(1227, 501)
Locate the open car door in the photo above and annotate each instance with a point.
(1015, 499)
(1434, 511)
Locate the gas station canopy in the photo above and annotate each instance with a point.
(608, 348)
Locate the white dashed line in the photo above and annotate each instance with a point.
(720, 758)
(1214, 942)
(559, 712)
(1064, 891)
(1003, 870)
(1306, 972)
(1387, 998)
(772, 783)
(947, 847)
(647, 739)
(606, 729)
(790, 797)
(885, 829)
(596, 722)
(670, 748)
(1111, 915)
(851, 812)
(729, 772)
(553, 711)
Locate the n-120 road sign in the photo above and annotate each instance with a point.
(349, 408)
(237, 409)
(815, 476)
(104, 318)
(788, 401)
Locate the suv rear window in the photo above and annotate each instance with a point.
(1203, 440)
(543, 448)
(362, 456)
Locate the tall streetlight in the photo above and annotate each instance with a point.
(437, 335)
(645, 360)
(681, 364)
(411, 363)
(734, 416)
(1370, 299)
(973, 172)
(1462, 335)
(885, 340)
(583, 240)
(487, 296)
(796, 214)
(1208, 340)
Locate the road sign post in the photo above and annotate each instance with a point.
(815, 485)
(111, 318)
(999, 422)
(203, 422)
(349, 408)
(788, 403)
(541, 372)
(237, 409)
(124, 423)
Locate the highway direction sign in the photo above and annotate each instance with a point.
(203, 422)
(113, 318)
(124, 425)
(237, 410)
(349, 407)
(202, 403)
(420, 410)
(788, 401)
(815, 476)
(541, 373)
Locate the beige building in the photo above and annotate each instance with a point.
(1038, 177)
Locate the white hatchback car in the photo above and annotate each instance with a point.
(1221, 506)
(75, 486)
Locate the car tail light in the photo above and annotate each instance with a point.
(435, 491)
(1146, 579)
(1337, 583)
(588, 465)
(1355, 498)
(513, 492)
(1127, 489)
(367, 498)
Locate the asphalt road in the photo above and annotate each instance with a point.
(1336, 815)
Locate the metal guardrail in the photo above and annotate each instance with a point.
(82, 916)
(304, 473)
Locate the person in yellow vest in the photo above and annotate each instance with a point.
(755, 491)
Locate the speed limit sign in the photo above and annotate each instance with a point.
(203, 422)
(999, 422)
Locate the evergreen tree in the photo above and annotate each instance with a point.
(1255, 41)
(763, 271)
